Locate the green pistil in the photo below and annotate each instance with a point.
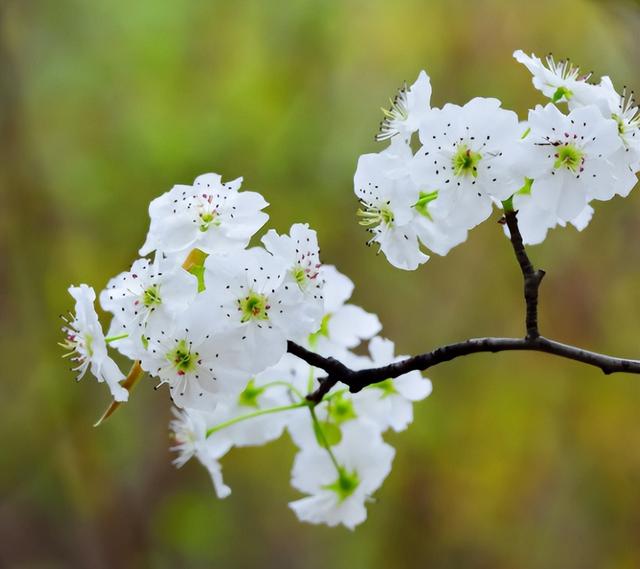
(254, 307)
(387, 387)
(569, 157)
(299, 275)
(182, 358)
(621, 125)
(422, 205)
(465, 161)
(207, 219)
(561, 93)
(322, 332)
(249, 397)
(345, 485)
(376, 216)
(341, 410)
(151, 296)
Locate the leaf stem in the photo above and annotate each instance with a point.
(322, 439)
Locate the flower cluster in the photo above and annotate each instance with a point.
(210, 316)
(470, 158)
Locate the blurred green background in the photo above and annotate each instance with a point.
(515, 461)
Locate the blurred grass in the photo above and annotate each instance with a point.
(516, 460)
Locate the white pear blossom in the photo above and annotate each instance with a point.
(343, 325)
(259, 307)
(464, 157)
(624, 111)
(86, 343)
(209, 215)
(387, 197)
(149, 294)
(299, 250)
(560, 81)
(534, 222)
(568, 157)
(189, 430)
(338, 495)
(195, 357)
(408, 108)
(389, 403)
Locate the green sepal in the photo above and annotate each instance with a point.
(345, 485)
(327, 432)
(323, 331)
(194, 264)
(422, 205)
(526, 189)
(561, 93)
(249, 397)
(341, 409)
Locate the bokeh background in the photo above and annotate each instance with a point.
(516, 460)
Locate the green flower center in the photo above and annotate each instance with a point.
(151, 296)
(373, 216)
(207, 219)
(622, 128)
(569, 157)
(465, 161)
(345, 485)
(254, 306)
(182, 358)
(299, 275)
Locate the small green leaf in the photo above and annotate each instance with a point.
(249, 397)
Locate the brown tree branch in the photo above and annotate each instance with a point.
(532, 277)
(358, 379)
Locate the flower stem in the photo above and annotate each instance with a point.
(284, 384)
(259, 413)
(322, 439)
